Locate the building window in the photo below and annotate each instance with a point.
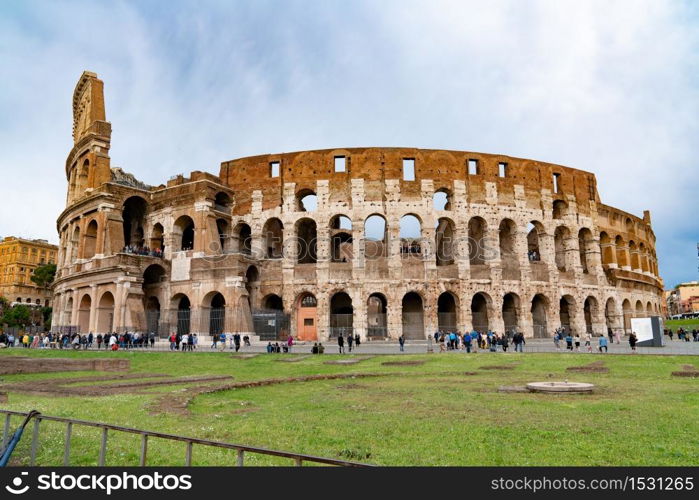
(556, 182)
(340, 164)
(473, 167)
(408, 169)
(274, 169)
(502, 169)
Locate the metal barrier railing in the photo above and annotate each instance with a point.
(241, 450)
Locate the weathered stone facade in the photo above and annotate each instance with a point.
(501, 243)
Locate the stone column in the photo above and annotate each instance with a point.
(93, 308)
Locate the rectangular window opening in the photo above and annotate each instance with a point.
(408, 169)
(556, 182)
(340, 164)
(472, 167)
(502, 169)
(274, 169)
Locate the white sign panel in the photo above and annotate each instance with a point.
(643, 328)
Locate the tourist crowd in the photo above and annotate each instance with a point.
(143, 250)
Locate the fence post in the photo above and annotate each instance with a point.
(103, 447)
(239, 461)
(66, 452)
(35, 442)
(144, 449)
(6, 431)
(188, 454)
(298, 461)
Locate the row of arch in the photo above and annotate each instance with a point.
(446, 243)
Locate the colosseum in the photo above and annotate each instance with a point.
(376, 241)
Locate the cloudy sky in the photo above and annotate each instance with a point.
(609, 87)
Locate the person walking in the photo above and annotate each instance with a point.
(401, 342)
(577, 342)
(341, 343)
(569, 342)
(602, 343)
(467, 342)
(290, 343)
(505, 342)
(356, 340)
(236, 341)
(350, 341)
(557, 340)
(588, 341)
(632, 342)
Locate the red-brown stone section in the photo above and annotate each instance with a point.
(12, 365)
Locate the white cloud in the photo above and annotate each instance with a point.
(609, 87)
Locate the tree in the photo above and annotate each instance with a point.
(16, 316)
(44, 275)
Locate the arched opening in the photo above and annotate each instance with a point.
(223, 202)
(341, 239)
(134, 216)
(341, 315)
(649, 309)
(157, 238)
(608, 254)
(567, 313)
(242, 239)
(628, 314)
(643, 258)
(376, 316)
(74, 245)
(84, 314)
(560, 209)
(630, 226)
(273, 231)
(441, 200)
(479, 312)
(90, 244)
(82, 183)
(639, 309)
(611, 317)
(590, 311)
(306, 317)
(510, 312)
(183, 314)
(410, 235)
(67, 312)
(476, 241)
(539, 316)
(633, 252)
(586, 248)
(375, 240)
(306, 201)
(341, 247)
(413, 317)
(217, 314)
(252, 286)
(183, 232)
(446, 312)
(621, 259)
(306, 240)
(153, 315)
(445, 239)
(223, 235)
(273, 302)
(105, 313)
(508, 253)
(561, 245)
(341, 222)
(534, 232)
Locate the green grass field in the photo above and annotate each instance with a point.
(687, 324)
(432, 414)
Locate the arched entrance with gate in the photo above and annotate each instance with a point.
(306, 317)
(413, 317)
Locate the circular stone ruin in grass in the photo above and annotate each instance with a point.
(560, 387)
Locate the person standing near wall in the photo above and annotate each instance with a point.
(341, 343)
(401, 342)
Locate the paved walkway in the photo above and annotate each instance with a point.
(674, 347)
